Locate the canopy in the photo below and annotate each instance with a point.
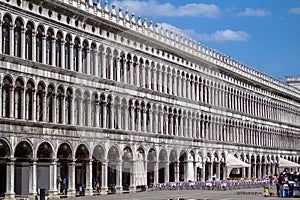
(286, 163)
(234, 162)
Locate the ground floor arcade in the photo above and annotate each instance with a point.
(27, 165)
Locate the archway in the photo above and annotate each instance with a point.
(163, 158)
(82, 157)
(173, 166)
(113, 159)
(152, 159)
(182, 166)
(127, 173)
(44, 155)
(23, 168)
(64, 155)
(98, 154)
(4, 155)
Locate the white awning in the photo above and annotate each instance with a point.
(286, 163)
(234, 162)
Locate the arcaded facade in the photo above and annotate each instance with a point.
(90, 93)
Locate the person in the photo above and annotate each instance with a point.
(58, 183)
(65, 182)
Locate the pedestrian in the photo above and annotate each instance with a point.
(65, 182)
(58, 183)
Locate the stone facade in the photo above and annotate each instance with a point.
(89, 93)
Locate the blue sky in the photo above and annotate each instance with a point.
(263, 34)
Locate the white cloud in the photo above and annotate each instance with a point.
(156, 9)
(254, 12)
(295, 11)
(218, 36)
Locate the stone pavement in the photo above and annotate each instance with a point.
(241, 194)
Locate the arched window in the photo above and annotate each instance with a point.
(101, 108)
(108, 113)
(49, 47)
(39, 102)
(122, 61)
(136, 111)
(49, 104)
(28, 41)
(68, 103)
(130, 115)
(58, 55)
(100, 57)
(148, 118)
(93, 109)
(29, 100)
(6, 90)
(59, 104)
(108, 64)
(128, 68)
(77, 103)
(6, 34)
(134, 68)
(93, 55)
(19, 88)
(17, 38)
(67, 52)
(76, 54)
(85, 107)
(84, 57)
(39, 44)
(115, 61)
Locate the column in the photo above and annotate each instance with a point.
(53, 179)
(96, 70)
(11, 40)
(150, 121)
(170, 83)
(154, 80)
(203, 172)
(119, 122)
(112, 116)
(88, 61)
(71, 55)
(161, 122)
(131, 73)
(125, 117)
(176, 171)
(132, 187)
(171, 125)
(118, 69)
(184, 87)
(79, 59)
(34, 105)
(181, 126)
(144, 128)
(149, 77)
(53, 56)
(174, 85)
(44, 49)
(32, 179)
(103, 65)
(143, 69)
(138, 75)
(10, 179)
(53, 108)
(33, 47)
(167, 172)
(71, 179)
(89, 179)
(155, 173)
(104, 114)
(176, 126)
(23, 42)
(119, 184)
(104, 177)
(11, 105)
(62, 55)
(23, 107)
